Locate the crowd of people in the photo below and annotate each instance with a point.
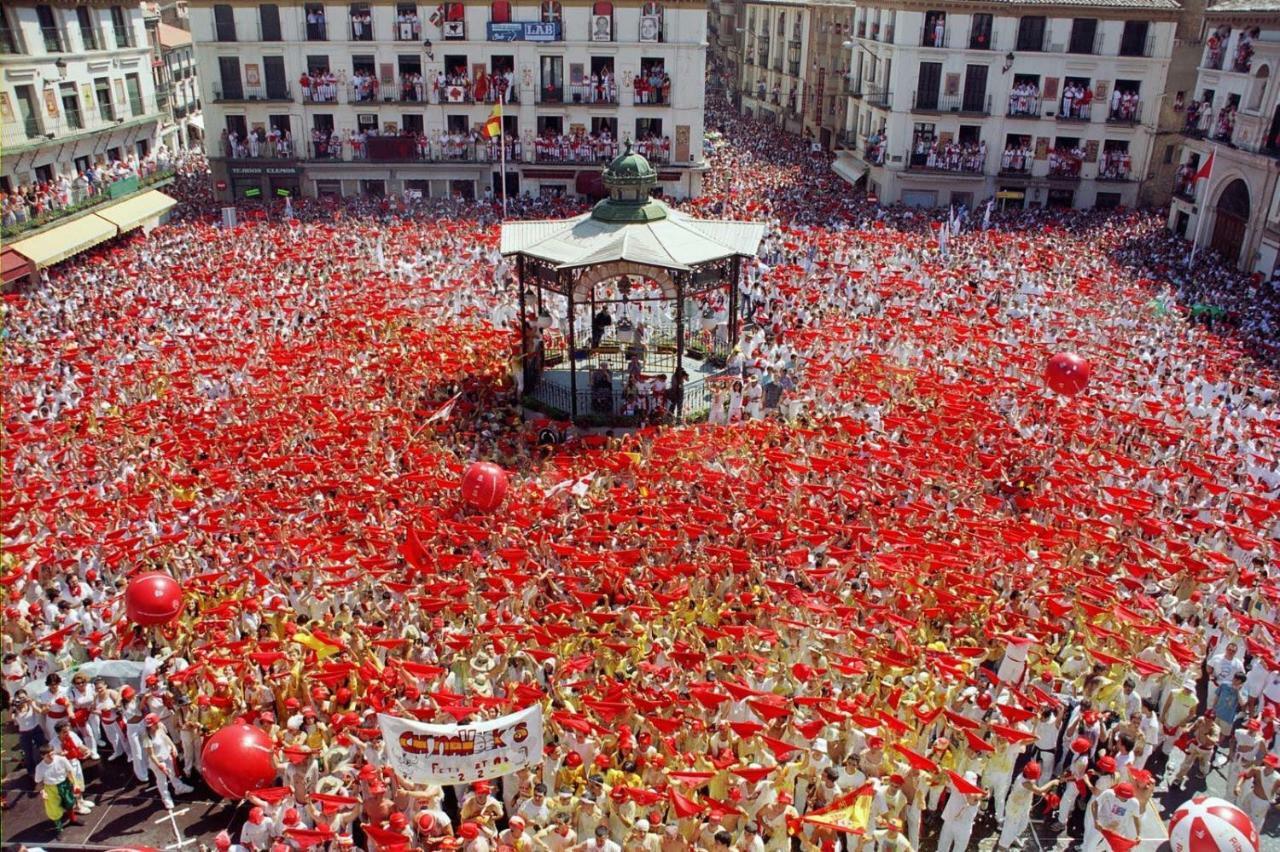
(35, 203)
(930, 591)
(951, 155)
(1077, 100)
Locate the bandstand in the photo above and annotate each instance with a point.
(630, 310)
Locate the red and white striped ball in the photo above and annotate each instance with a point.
(484, 486)
(1210, 824)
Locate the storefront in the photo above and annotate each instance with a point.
(258, 182)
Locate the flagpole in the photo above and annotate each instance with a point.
(1204, 208)
(502, 147)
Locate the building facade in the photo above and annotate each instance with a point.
(775, 60)
(77, 89)
(383, 98)
(1049, 104)
(826, 82)
(1233, 115)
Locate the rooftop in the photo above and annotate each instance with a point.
(1243, 7)
(171, 36)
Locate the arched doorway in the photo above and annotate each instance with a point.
(1231, 221)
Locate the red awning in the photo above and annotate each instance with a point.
(13, 266)
(590, 184)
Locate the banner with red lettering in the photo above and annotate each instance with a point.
(458, 754)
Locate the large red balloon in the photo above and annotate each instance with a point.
(484, 486)
(153, 598)
(238, 760)
(1067, 373)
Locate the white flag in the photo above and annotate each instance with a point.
(445, 410)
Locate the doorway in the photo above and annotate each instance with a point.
(1231, 221)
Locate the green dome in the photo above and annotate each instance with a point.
(629, 179)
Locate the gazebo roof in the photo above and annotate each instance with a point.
(630, 226)
(676, 241)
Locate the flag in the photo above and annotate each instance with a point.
(986, 217)
(493, 127)
(850, 812)
(577, 487)
(682, 806)
(963, 785)
(1205, 169)
(445, 410)
(1117, 842)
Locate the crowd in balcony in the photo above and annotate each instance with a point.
(598, 88)
(575, 147)
(319, 86)
(1017, 157)
(949, 156)
(1184, 180)
(408, 26)
(875, 147)
(1115, 165)
(1242, 62)
(364, 86)
(1216, 48)
(1125, 106)
(1225, 124)
(1077, 101)
(258, 142)
(31, 203)
(1024, 99)
(1198, 117)
(1065, 161)
(653, 84)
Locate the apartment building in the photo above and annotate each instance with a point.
(775, 61)
(381, 98)
(1233, 115)
(77, 89)
(1040, 104)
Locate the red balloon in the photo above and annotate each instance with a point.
(153, 598)
(484, 486)
(238, 760)
(1067, 373)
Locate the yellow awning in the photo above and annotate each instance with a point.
(64, 241)
(1011, 194)
(132, 212)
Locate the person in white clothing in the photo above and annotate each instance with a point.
(1017, 809)
(1257, 788)
(1115, 810)
(161, 752)
(958, 815)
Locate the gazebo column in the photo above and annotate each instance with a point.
(733, 301)
(524, 319)
(679, 340)
(567, 287)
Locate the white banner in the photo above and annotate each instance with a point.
(459, 754)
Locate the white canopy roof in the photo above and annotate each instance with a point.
(677, 241)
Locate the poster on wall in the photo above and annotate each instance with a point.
(650, 27)
(1042, 147)
(51, 101)
(252, 74)
(602, 28)
(6, 108)
(86, 95)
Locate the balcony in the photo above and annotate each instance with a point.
(317, 31)
(263, 150)
(931, 102)
(1116, 175)
(793, 69)
(1065, 171)
(1075, 112)
(73, 118)
(1133, 47)
(878, 97)
(368, 90)
(652, 97)
(87, 203)
(31, 127)
(929, 37)
(965, 163)
(1127, 112)
(137, 108)
(405, 149)
(982, 40)
(52, 40)
(1024, 106)
(1011, 171)
(320, 93)
(224, 94)
(124, 37)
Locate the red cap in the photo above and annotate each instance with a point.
(151, 720)
(427, 823)
(1124, 790)
(1080, 745)
(469, 830)
(398, 820)
(1107, 764)
(1031, 771)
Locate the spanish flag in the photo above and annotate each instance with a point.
(849, 813)
(493, 127)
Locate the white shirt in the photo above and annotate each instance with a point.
(53, 771)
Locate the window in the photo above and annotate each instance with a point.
(88, 29)
(1077, 99)
(975, 89)
(408, 25)
(1134, 41)
(26, 97)
(224, 22)
(1168, 155)
(49, 28)
(552, 80)
(102, 93)
(927, 84)
(935, 30)
(412, 123)
(1126, 104)
(1017, 155)
(602, 20)
(1115, 163)
(551, 11)
(980, 32)
(123, 29)
(361, 22)
(550, 125)
(8, 38)
(1024, 97)
(1031, 31)
(500, 12)
(1084, 35)
(648, 128)
(71, 107)
(316, 26)
(273, 76)
(457, 124)
(412, 85)
(133, 85)
(229, 74)
(269, 16)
